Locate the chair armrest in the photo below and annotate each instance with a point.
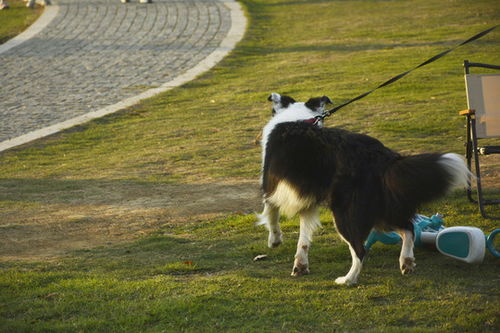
(467, 112)
(488, 150)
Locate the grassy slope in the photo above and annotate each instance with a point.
(173, 137)
(16, 18)
(200, 275)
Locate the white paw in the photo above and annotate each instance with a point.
(275, 239)
(300, 269)
(344, 280)
(407, 265)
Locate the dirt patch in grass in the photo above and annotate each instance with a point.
(62, 216)
(36, 226)
(44, 219)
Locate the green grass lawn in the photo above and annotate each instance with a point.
(16, 19)
(198, 275)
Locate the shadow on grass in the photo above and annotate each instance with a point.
(228, 246)
(208, 198)
(345, 47)
(46, 218)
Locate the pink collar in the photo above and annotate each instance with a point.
(313, 121)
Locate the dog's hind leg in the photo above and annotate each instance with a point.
(309, 222)
(270, 218)
(406, 258)
(357, 263)
(354, 230)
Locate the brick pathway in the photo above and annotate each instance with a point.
(95, 53)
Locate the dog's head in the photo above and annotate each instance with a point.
(283, 103)
(286, 109)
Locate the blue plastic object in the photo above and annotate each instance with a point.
(421, 224)
(388, 238)
(490, 243)
(455, 244)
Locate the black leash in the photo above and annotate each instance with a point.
(397, 77)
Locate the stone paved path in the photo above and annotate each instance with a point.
(95, 53)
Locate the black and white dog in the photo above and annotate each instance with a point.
(365, 184)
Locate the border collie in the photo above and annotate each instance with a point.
(365, 184)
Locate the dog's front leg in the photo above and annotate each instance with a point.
(270, 218)
(406, 258)
(309, 221)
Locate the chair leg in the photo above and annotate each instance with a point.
(480, 199)
(468, 155)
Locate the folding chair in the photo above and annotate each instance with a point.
(483, 122)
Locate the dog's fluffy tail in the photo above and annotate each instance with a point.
(422, 178)
(455, 165)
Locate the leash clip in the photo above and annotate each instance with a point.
(320, 118)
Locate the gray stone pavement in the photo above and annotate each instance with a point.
(95, 53)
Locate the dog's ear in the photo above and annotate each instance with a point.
(274, 97)
(318, 104)
(280, 102)
(326, 100)
(286, 101)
